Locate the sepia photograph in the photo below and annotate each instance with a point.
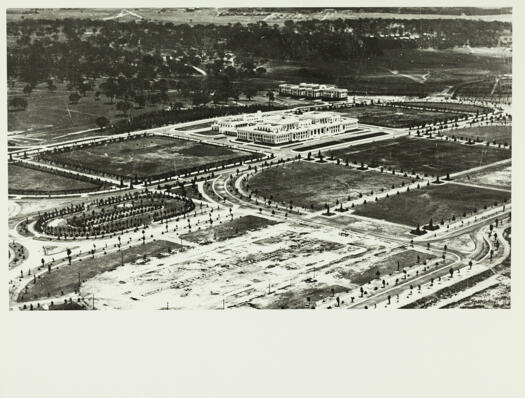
(201, 158)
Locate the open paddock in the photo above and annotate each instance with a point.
(440, 202)
(146, 157)
(339, 141)
(31, 180)
(390, 116)
(194, 126)
(443, 106)
(392, 263)
(309, 184)
(421, 155)
(66, 279)
(228, 229)
(493, 134)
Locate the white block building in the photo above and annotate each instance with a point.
(313, 90)
(228, 125)
(283, 128)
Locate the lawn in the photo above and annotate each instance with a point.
(228, 229)
(435, 202)
(32, 180)
(430, 156)
(498, 134)
(478, 88)
(66, 277)
(207, 132)
(339, 141)
(390, 116)
(444, 106)
(195, 126)
(388, 265)
(146, 156)
(309, 183)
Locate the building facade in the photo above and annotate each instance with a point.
(229, 125)
(313, 91)
(284, 128)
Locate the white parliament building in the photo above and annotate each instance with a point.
(282, 128)
(313, 90)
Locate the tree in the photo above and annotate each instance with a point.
(271, 97)
(102, 122)
(74, 98)
(27, 89)
(250, 92)
(18, 103)
(123, 106)
(109, 88)
(51, 85)
(200, 97)
(140, 100)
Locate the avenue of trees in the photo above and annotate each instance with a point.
(162, 118)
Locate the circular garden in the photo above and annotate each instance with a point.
(112, 214)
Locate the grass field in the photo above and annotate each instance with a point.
(298, 299)
(434, 202)
(307, 183)
(493, 297)
(340, 141)
(386, 266)
(207, 132)
(371, 76)
(195, 126)
(444, 106)
(435, 157)
(25, 178)
(498, 134)
(389, 116)
(145, 157)
(50, 118)
(228, 229)
(66, 278)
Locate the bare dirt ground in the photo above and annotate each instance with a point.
(237, 270)
(499, 177)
